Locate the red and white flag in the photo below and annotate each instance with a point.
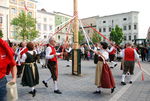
(25, 7)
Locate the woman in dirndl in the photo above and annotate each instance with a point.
(30, 75)
(103, 77)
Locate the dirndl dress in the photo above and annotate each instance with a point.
(30, 75)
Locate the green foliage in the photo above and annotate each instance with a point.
(96, 38)
(81, 37)
(1, 34)
(25, 26)
(116, 35)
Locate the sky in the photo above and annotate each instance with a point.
(88, 8)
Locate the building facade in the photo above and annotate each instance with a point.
(91, 21)
(60, 18)
(17, 6)
(4, 13)
(45, 24)
(127, 21)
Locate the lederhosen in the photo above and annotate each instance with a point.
(129, 61)
(52, 64)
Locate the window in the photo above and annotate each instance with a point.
(104, 29)
(135, 27)
(57, 28)
(109, 29)
(125, 38)
(104, 21)
(124, 19)
(21, 3)
(13, 1)
(45, 19)
(129, 27)
(45, 27)
(39, 26)
(124, 28)
(30, 5)
(134, 37)
(13, 11)
(1, 20)
(50, 27)
(58, 37)
(99, 29)
(129, 37)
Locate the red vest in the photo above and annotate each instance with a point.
(52, 53)
(23, 51)
(129, 54)
(113, 51)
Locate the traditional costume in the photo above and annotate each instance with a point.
(104, 78)
(52, 65)
(112, 52)
(30, 75)
(129, 55)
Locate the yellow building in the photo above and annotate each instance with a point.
(17, 6)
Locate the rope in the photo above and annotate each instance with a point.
(85, 34)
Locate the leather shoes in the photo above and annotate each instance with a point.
(33, 93)
(130, 82)
(123, 83)
(57, 92)
(112, 90)
(45, 83)
(97, 92)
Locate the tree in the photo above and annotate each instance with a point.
(96, 38)
(81, 37)
(116, 35)
(1, 34)
(25, 26)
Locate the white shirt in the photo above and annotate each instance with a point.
(135, 54)
(24, 56)
(111, 49)
(68, 50)
(48, 52)
(104, 53)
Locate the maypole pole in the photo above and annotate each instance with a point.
(76, 58)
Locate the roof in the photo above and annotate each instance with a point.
(119, 14)
(62, 14)
(45, 12)
(90, 17)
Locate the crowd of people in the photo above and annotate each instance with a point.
(22, 61)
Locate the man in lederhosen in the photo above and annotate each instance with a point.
(51, 55)
(129, 56)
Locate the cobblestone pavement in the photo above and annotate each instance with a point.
(81, 88)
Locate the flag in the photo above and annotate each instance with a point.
(25, 7)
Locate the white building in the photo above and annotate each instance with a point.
(127, 21)
(45, 24)
(4, 11)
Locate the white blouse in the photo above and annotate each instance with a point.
(24, 56)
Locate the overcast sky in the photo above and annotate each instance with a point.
(88, 8)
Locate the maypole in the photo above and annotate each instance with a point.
(76, 59)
